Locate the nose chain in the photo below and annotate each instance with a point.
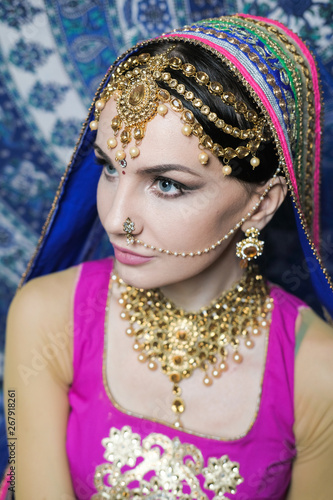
(129, 227)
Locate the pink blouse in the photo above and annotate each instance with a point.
(111, 451)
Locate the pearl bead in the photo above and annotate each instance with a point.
(223, 366)
(112, 143)
(255, 161)
(207, 381)
(226, 170)
(93, 125)
(238, 358)
(217, 373)
(152, 365)
(203, 158)
(162, 109)
(134, 152)
(249, 344)
(142, 357)
(120, 155)
(187, 130)
(99, 105)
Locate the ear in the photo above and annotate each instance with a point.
(269, 205)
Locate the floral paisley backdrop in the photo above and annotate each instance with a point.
(52, 56)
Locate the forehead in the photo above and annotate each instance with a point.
(163, 142)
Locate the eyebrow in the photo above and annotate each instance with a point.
(157, 169)
(102, 154)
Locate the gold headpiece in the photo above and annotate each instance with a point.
(139, 99)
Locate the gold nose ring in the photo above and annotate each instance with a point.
(129, 226)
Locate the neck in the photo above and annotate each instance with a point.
(199, 291)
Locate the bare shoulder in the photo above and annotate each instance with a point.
(313, 428)
(39, 367)
(40, 320)
(316, 346)
(46, 290)
(314, 367)
(314, 378)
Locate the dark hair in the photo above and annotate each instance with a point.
(206, 61)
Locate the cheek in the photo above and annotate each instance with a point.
(194, 226)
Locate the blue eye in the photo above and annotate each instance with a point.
(109, 169)
(167, 185)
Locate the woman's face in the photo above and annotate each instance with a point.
(175, 202)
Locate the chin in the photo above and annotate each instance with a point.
(140, 276)
(147, 275)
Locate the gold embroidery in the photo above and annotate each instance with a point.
(164, 468)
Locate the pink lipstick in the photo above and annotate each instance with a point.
(125, 256)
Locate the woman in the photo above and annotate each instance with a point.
(199, 133)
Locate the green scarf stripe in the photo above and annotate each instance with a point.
(244, 23)
(299, 150)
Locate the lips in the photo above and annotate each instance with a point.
(125, 256)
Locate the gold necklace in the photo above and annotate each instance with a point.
(181, 342)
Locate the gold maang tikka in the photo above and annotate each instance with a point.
(134, 86)
(179, 342)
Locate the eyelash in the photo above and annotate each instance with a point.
(103, 163)
(180, 187)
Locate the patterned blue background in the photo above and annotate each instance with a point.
(52, 57)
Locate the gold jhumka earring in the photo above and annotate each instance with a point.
(250, 247)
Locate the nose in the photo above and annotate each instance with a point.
(123, 204)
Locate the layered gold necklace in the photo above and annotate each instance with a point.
(180, 342)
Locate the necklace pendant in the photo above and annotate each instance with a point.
(178, 405)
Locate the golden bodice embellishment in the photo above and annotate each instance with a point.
(160, 468)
